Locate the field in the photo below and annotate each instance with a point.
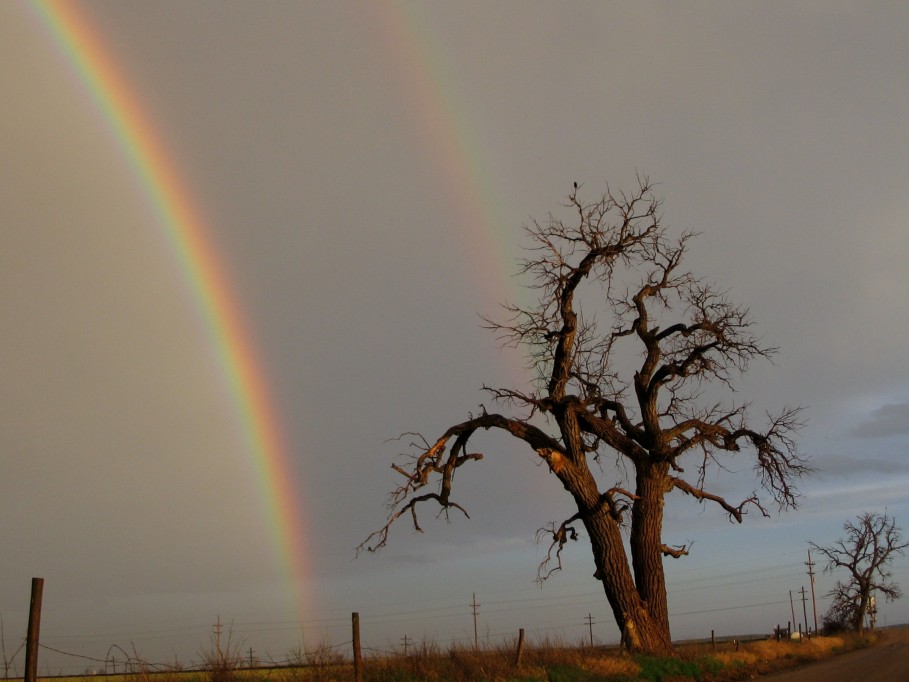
(549, 661)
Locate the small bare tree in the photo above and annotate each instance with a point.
(870, 544)
(583, 408)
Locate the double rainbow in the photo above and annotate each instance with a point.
(459, 165)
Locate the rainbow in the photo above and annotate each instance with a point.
(84, 52)
(454, 153)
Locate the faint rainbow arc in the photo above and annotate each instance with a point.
(185, 231)
(457, 158)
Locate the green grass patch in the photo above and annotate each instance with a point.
(658, 669)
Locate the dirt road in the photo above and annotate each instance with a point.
(888, 661)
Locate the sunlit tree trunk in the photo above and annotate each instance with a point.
(641, 630)
(646, 540)
(637, 598)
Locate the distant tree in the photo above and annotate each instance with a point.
(838, 617)
(866, 551)
(637, 426)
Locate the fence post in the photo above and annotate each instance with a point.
(357, 654)
(517, 658)
(34, 628)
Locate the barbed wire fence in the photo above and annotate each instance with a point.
(120, 661)
(76, 653)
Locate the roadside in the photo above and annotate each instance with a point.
(887, 660)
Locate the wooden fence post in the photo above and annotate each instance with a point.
(517, 658)
(357, 654)
(34, 628)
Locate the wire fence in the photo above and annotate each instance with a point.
(119, 660)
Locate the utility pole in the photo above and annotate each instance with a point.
(872, 612)
(3, 648)
(217, 627)
(792, 607)
(805, 607)
(474, 606)
(406, 642)
(357, 652)
(810, 565)
(34, 629)
(590, 625)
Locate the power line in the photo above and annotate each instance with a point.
(728, 608)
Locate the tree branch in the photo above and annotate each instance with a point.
(560, 537)
(675, 552)
(736, 513)
(431, 461)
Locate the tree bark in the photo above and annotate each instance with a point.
(641, 632)
(652, 483)
(644, 622)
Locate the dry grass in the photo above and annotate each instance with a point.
(541, 662)
(612, 666)
(756, 652)
(729, 663)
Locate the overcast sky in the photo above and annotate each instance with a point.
(364, 170)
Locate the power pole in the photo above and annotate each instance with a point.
(805, 607)
(810, 565)
(406, 642)
(357, 652)
(474, 606)
(590, 625)
(217, 627)
(872, 612)
(3, 647)
(34, 628)
(792, 607)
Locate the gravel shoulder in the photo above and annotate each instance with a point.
(887, 661)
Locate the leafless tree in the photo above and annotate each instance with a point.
(614, 260)
(870, 544)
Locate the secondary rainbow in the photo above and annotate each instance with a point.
(84, 52)
(454, 152)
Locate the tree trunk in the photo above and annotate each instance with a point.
(640, 631)
(647, 539)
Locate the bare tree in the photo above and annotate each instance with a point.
(870, 544)
(583, 409)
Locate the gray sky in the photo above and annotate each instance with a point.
(364, 170)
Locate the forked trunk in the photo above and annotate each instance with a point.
(641, 631)
(638, 600)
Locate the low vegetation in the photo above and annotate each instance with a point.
(547, 661)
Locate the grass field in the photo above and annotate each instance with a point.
(553, 662)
